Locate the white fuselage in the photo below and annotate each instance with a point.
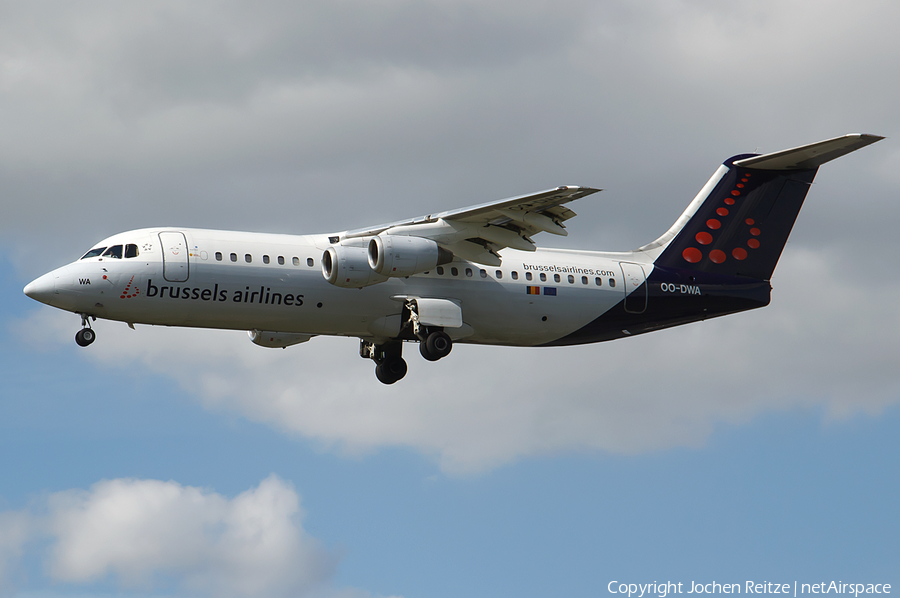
(251, 281)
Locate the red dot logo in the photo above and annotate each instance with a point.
(722, 211)
(692, 255)
(713, 224)
(740, 185)
(128, 293)
(735, 193)
(729, 201)
(704, 238)
(754, 232)
(739, 253)
(717, 256)
(753, 244)
(750, 221)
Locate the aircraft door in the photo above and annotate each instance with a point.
(635, 287)
(175, 256)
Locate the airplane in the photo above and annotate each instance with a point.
(471, 275)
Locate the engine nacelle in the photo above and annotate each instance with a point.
(401, 255)
(348, 267)
(277, 340)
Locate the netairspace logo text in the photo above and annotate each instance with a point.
(663, 589)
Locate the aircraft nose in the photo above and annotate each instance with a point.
(42, 289)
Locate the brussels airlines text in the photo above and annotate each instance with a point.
(263, 296)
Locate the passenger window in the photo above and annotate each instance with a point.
(218, 256)
(584, 280)
(295, 260)
(483, 273)
(310, 262)
(115, 252)
(248, 258)
(265, 259)
(598, 281)
(233, 257)
(528, 276)
(499, 274)
(515, 275)
(469, 272)
(612, 282)
(93, 253)
(280, 260)
(556, 277)
(543, 277)
(454, 271)
(440, 270)
(571, 279)
(131, 250)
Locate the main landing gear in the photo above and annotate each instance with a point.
(389, 363)
(390, 367)
(435, 345)
(86, 335)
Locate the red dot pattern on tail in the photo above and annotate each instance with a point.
(717, 256)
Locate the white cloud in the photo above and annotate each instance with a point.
(152, 534)
(152, 537)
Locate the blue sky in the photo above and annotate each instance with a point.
(162, 461)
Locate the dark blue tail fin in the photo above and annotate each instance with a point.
(739, 223)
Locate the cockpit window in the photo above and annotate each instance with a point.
(131, 250)
(93, 252)
(114, 251)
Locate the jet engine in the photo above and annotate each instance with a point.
(401, 255)
(348, 267)
(277, 340)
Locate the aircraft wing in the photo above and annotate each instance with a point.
(477, 233)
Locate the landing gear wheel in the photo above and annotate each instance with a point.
(391, 370)
(85, 337)
(435, 346)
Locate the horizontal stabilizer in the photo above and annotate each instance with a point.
(809, 156)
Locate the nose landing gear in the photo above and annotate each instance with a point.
(86, 335)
